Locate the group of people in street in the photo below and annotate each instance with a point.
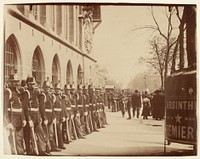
(137, 103)
(38, 120)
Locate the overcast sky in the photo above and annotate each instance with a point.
(116, 46)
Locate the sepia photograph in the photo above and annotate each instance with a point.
(99, 79)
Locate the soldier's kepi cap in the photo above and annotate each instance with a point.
(46, 84)
(67, 86)
(80, 87)
(85, 87)
(58, 86)
(13, 78)
(72, 86)
(30, 80)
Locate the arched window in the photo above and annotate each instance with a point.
(79, 75)
(55, 70)
(38, 66)
(69, 73)
(11, 55)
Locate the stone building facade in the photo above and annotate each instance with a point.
(51, 41)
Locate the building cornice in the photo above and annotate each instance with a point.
(44, 31)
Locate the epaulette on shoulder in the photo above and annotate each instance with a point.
(18, 91)
(43, 94)
(77, 95)
(54, 98)
(9, 93)
(28, 93)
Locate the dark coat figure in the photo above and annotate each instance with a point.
(136, 103)
(124, 103)
(158, 102)
(121, 105)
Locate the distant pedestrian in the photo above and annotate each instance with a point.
(136, 103)
(146, 106)
(129, 105)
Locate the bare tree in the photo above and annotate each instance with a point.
(157, 58)
(163, 45)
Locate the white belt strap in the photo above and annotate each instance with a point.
(48, 110)
(57, 109)
(19, 110)
(34, 109)
(73, 106)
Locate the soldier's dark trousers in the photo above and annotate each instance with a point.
(64, 133)
(83, 123)
(90, 122)
(94, 120)
(59, 134)
(78, 127)
(87, 125)
(51, 136)
(46, 132)
(99, 123)
(18, 132)
(40, 137)
(70, 128)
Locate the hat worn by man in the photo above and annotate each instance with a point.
(136, 91)
(46, 84)
(58, 86)
(13, 78)
(67, 86)
(72, 86)
(30, 80)
(80, 86)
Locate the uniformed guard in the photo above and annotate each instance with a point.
(98, 105)
(59, 116)
(47, 113)
(80, 104)
(93, 102)
(87, 116)
(73, 99)
(14, 116)
(34, 127)
(68, 113)
(102, 109)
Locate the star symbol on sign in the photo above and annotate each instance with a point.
(178, 118)
(190, 91)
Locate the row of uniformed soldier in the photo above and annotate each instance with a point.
(39, 121)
